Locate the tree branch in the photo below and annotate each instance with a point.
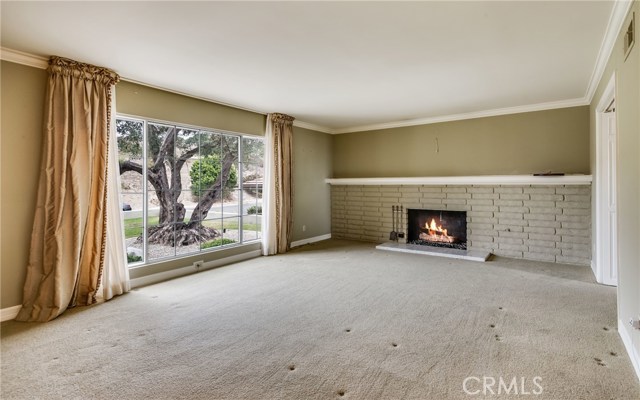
(175, 175)
(154, 179)
(183, 158)
(166, 147)
(126, 166)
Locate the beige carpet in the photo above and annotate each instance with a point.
(333, 320)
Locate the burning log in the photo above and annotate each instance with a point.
(434, 233)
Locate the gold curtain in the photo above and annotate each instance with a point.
(69, 229)
(278, 191)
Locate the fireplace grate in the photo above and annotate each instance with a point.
(459, 246)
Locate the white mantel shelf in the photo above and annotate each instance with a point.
(468, 180)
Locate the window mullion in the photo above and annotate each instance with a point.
(199, 188)
(145, 184)
(240, 192)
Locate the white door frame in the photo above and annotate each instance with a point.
(606, 242)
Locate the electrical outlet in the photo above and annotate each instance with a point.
(304, 228)
(635, 323)
(198, 264)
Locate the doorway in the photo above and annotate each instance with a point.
(606, 226)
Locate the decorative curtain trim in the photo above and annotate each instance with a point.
(66, 67)
(281, 118)
(69, 232)
(114, 276)
(106, 181)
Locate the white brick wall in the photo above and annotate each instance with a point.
(547, 223)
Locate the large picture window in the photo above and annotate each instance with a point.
(185, 190)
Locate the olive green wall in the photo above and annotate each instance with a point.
(628, 172)
(311, 196)
(143, 101)
(22, 101)
(556, 140)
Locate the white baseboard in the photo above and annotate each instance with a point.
(628, 344)
(9, 313)
(188, 270)
(310, 240)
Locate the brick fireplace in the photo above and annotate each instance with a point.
(537, 222)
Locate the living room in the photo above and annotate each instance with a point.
(497, 119)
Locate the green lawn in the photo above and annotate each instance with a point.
(133, 226)
(250, 223)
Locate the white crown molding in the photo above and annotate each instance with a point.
(616, 20)
(618, 15)
(20, 57)
(313, 127)
(476, 114)
(31, 60)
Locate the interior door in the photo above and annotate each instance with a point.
(609, 266)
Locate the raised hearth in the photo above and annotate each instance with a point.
(472, 255)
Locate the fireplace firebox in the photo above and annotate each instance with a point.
(439, 228)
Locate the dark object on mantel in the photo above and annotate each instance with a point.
(549, 173)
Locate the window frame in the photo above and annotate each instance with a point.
(240, 218)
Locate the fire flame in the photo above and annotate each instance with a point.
(436, 233)
(435, 229)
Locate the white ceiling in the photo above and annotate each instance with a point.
(338, 65)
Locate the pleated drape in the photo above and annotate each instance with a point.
(69, 229)
(277, 194)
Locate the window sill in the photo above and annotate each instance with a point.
(163, 270)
